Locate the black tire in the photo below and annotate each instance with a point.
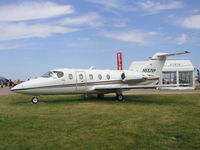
(100, 96)
(35, 100)
(120, 97)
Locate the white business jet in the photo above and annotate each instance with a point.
(92, 81)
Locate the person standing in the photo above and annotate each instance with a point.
(1, 84)
(10, 83)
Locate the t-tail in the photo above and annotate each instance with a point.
(156, 63)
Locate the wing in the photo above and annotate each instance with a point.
(114, 88)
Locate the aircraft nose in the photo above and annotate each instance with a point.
(13, 88)
(16, 87)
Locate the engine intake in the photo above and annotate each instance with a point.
(132, 77)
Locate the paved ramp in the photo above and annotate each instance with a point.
(5, 91)
(155, 91)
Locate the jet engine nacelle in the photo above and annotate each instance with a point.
(132, 77)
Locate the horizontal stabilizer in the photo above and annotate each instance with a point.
(172, 54)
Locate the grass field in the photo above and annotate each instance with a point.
(197, 88)
(150, 122)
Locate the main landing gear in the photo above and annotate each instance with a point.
(119, 97)
(35, 100)
(99, 96)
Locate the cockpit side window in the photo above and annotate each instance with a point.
(49, 74)
(59, 74)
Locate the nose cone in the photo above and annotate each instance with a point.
(21, 88)
(16, 88)
(28, 87)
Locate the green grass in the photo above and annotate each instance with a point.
(150, 122)
(197, 88)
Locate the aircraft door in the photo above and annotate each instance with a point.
(81, 82)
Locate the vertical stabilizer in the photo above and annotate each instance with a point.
(156, 63)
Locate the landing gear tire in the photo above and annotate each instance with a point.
(35, 100)
(120, 97)
(99, 96)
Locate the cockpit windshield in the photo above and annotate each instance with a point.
(54, 74)
(47, 74)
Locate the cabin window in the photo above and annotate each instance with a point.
(90, 76)
(108, 76)
(70, 76)
(100, 76)
(81, 76)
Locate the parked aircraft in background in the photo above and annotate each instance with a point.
(92, 81)
(4, 80)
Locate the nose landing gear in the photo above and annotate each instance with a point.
(35, 100)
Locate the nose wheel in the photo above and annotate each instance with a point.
(35, 100)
